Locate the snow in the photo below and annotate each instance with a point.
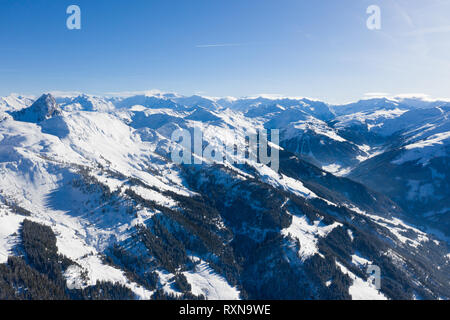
(350, 234)
(167, 281)
(9, 225)
(38, 163)
(207, 282)
(361, 289)
(336, 169)
(71, 245)
(152, 195)
(112, 183)
(430, 141)
(315, 125)
(424, 150)
(359, 261)
(296, 187)
(308, 234)
(289, 184)
(398, 228)
(375, 120)
(86, 103)
(105, 139)
(370, 153)
(97, 271)
(35, 165)
(15, 102)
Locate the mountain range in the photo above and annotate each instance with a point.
(93, 207)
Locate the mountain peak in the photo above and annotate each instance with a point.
(43, 108)
(47, 98)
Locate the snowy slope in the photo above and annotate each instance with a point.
(98, 171)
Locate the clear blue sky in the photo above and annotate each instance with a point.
(319, 49)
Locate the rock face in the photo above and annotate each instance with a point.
(42, 109)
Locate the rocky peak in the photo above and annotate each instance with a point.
(43, 108)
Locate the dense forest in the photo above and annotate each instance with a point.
(37, 273)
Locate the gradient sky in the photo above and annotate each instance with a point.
(318, 49)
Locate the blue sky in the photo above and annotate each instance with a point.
(319, 49)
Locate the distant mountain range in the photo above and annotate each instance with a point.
(92, 206)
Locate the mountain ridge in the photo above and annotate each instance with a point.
(97, 171)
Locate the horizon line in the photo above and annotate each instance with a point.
(158, 93)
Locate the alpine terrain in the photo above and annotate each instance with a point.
(92, 206)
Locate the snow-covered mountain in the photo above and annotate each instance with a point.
(43, 108)
(92, 178)
(414, 169)
(15, 102)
